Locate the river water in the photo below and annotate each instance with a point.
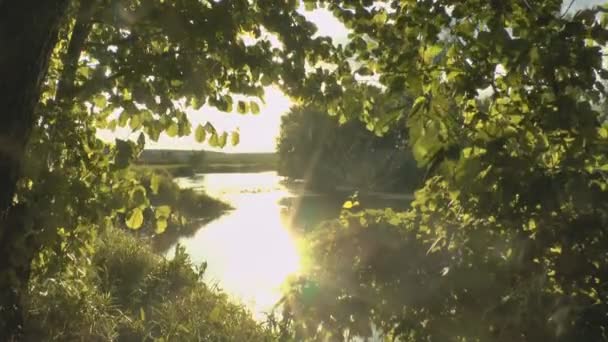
(252, 249)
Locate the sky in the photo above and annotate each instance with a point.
(579, 4)
(259, 133)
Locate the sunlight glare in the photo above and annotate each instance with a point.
(251, 251)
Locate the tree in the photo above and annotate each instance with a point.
(72, 67)
(324, 152)
(197, 160)
(507, 239)
(22, 69)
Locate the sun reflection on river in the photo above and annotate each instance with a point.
(251, 250)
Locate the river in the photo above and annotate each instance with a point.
(253, 248)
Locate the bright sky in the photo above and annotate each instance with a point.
(579, 4)
(259, 132)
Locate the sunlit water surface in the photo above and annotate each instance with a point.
(252, 249)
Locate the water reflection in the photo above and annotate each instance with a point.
(251, 250)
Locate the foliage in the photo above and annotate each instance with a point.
(125, 292)
(508, 240)
(508, 237)
(317, 148)
(136, 65)
(141, 65)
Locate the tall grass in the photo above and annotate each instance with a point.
(126, 292)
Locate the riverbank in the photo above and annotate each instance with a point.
(122, 286)
(123, 291)
(185, 170)
(190, 209)
(343, 191)
(180, 163)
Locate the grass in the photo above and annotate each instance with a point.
(118, 287)
(126, 292)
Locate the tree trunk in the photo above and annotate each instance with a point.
(28, 34)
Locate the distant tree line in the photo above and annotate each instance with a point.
(326, 154)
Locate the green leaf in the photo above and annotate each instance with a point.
(84, 71)
(213, 140)
(197, 103)
(112, 125)
(431, 52)
(310, 5)
(394, 220)
(162, 211)
(603, 132)
(209, 127)
(222, 139)
(235, 138)
(155, 183)
(153, 132)
(138, 196)
(200, 133)
(161, 226)
(224, 103)
(242, 107)
(531, 224)
(136, 219)
(380, 18)
(172, 130)
(123, 118)
(135, 122)
(126, 94)
(100, 101)
(255, 108)
(185, 129)
(420, 100)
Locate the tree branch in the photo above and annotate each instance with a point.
(65, 87)
(567, 9)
